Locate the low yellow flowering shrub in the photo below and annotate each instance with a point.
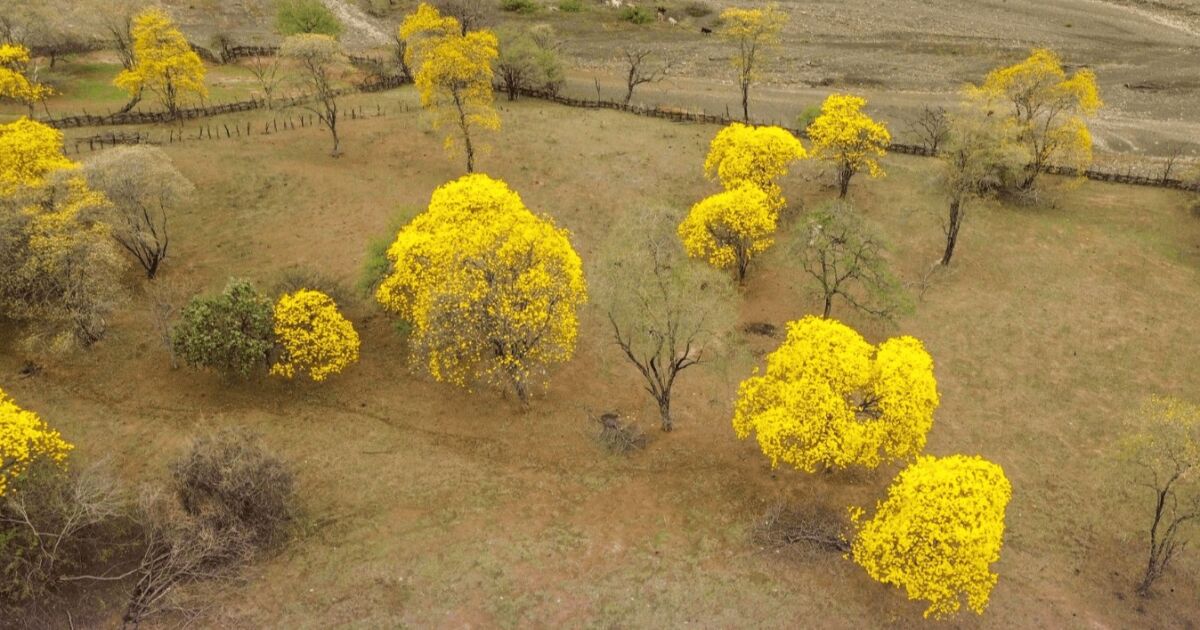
(828, 399)
(315, 338)
(491, 290)
(742, 154)
(938, 532)
(24, 439)
(731, 228)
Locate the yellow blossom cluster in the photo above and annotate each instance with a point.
(729, 229)
(1049, 108)
(24, 439)
(315, 338)
(29, 151)
(848, 138)
(938, 532)
(742, 154)
(828, 399)
(14, 85)
(491, 289)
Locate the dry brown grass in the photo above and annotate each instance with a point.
(428, 506)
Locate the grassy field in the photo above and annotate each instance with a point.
(426, 506)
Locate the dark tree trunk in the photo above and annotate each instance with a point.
(952, 230)
(664, 411)
(843, 182)
(828, 305)
(746, 102)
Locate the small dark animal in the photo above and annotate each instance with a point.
(705, 30)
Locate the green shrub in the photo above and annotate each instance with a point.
(637, 15)
(697, 9)
(570, 6)
(376, 267)
(519, 6)
(293, 17)
(807, 116)
(231, 332)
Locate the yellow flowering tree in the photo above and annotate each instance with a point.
(163, 62)
(848, 138)
(731, 228)
(1050, 110)
(422, 29)
(492, 290)
(24, 439)
(454, 75)
(59, 267)
(757, 155)
(14, 84)
(938, 532)
(29, 151)
(755, 32)
(313, 335)
(828, 399)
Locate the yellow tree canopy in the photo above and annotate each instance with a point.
(29, 151)
(315, 338)
(1050, 108)
(24, 439)
(423, 28)
(938, 532)
(828, 399)
(756, 155)
(753, 32)
(848, 138)
(455, 82)
(163, 61)
(492, 291)
(14, 84)
(731, 228)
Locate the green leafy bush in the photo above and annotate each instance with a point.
(807, 116)
(231, 332)
(293, 17)
(637, 15)
(519, 6)
(570, 6)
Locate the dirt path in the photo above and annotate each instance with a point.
(362, 28)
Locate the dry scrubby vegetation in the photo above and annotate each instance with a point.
(486, 291)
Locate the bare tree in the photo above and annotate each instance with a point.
(639, 70)
(316, 56)
(145, 189)
(667, 313)
(1162, 452)
(117, 20)
(846, 258)
(1174, 152)
(931, 127)
(399, 49)
(266, 72)
(469, 13)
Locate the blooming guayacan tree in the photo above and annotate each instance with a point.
(848, 138)
(828, 399)
(1049, 108)
(454, 75)
(14, 84)
(938, 532)
(757, 155)
(313, 335)
(163, 62)
(491, 289)
(25, 439)
(731, 228)
(754, 32)
(59, 268)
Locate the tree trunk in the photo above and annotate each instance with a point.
(664, 411)
(470, 152)
(133, 102)
(746, 101)
(952, 230)
(843, 182)
(828, 305)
